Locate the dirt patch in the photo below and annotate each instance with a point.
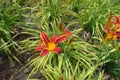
(9, 71)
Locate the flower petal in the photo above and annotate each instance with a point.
(66, 30)
(108, 36)
(113, 22)
(118, 35)
(57, 50)
(69, 33)
(44, 53)
(114, 37)
(106, 28)
(41, 42)
(60, 39)
(117, 18)
(53, 39)
(39, 48)
(44, 37)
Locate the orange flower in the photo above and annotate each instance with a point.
(66, 33)
(110, 36)
(108, 25)
(116, 23)
(47, 45)
(112, 33)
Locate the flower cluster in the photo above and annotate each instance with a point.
(112, 29)
(51, 44)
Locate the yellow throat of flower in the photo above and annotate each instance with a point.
(51, 46)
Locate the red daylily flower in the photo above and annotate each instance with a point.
(47, 45)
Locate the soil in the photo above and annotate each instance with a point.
(9, 71)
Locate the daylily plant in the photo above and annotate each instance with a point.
(51, 44)
(112, 29)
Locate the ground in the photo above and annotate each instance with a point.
(9, 71)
